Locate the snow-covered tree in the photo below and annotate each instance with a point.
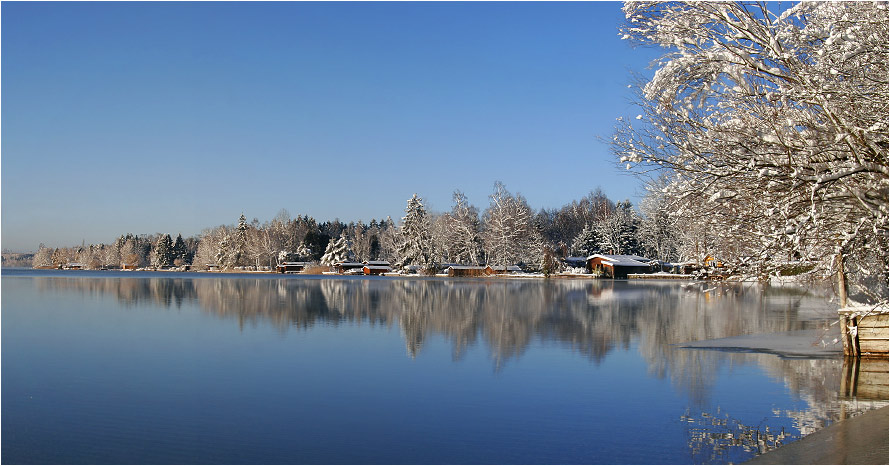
(225, 249)
(618, 232)
(131, 252)
(772, 125)
(388, 241)
(43, 257)
(415, 247)
(240, 243)
(162, 254)
(179, 251)
(658, 233)
(361, 245)
(338, 250)
(461, 239)
(587, 242)
(509, 234)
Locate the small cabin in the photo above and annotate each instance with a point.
(467, 271)
(214, 267)
(348, 267)
(74, 266)
(376, 269)
(618, 266)
(291, 267)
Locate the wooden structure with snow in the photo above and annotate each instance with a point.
(291, 267)
(618, 266)
(864, 331)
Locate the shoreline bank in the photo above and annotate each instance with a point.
(858, 440)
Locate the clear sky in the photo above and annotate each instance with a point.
(172, 117)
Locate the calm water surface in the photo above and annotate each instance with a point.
(117, 367)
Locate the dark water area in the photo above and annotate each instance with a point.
(188, 368)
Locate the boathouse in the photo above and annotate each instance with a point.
(618, 266)
(369, 269)
(348, 267)
(467, 271)
(291, 267)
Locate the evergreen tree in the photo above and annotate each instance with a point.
(587, 242)
(415, 245)
(240, 252)
(163, 251)
(338, 250)
(618, 231)
(179, 251)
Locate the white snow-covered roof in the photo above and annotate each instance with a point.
(507, 268)
(466, 267)
(349, 264)
(622, 260)
(377, 263)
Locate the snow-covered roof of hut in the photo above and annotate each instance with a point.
(466, 267)
(386, 263)
(622, 259)
(507, 268)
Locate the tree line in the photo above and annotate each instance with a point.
(507, 232)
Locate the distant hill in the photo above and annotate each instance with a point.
(17, 259)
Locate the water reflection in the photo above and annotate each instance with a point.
(591, 317)
(507, 317)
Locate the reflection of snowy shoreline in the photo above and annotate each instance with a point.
(506, 317)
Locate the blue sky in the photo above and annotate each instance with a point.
(172, 117)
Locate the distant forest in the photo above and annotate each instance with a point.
(506, 232)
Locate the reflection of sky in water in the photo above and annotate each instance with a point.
(270, 370)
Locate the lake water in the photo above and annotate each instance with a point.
(133, 367)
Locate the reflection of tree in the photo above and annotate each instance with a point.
(714, 437)
(166, 292)
(590, 317)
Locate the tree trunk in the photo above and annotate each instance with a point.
(841, 280)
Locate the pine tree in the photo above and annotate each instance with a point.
(415, 245)
(179, 252)
(338, 250)
(618, 232)
(587, 242)
(163, 253)
(240, 252)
